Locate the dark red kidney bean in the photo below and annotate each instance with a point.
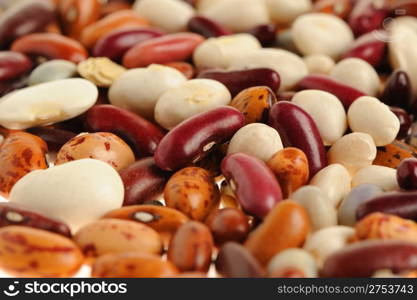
(207, 27)
(54, 137)
(345, 93)
(142, 135)
(297, 129)
(237, 81)
(407, 174)
(405, 122)
(366, 17)
(363, 259)
(190, 140)
(13, 64)
(397, 91)
(15, 214)
(370, 47)
(254, 184)
(235, 261)
(402, 204)
(143, 181)
(266, 34)
(9, 86)
(115, 44)
(24, 18)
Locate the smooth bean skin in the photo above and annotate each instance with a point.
(191, 247)
(298, 129)
(397, 90)
(207, 27)
(405, 122)
(13, 65)
(366, 17)
(143, 181)
(192, 138)
(115, 44)
(142, 135)
(54, 137)
(266, 34)
(51, 46)
(30, 252)
(393, 154)
(15, 214)
(407, 174)
(235, 261)
(237, 81)
(254, 184)
(362, 259)
(172, 47)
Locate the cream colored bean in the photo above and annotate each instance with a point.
(354, 151)
(170, 15)
(324, 242)
(335, 182)
(52, 70)
(319, 33)
(384, 177)
(77, 192)
(47, 103)
(293, 262)
(256, 139)
(189, 99)
(139, 89)
(371, 116)
(286, 11)
(218, 52)
(357, 73)
(318, 206)
(319, 63)
(330, 116)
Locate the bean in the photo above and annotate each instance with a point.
(254, 184)
(55, 255)
(266, 34)
(407, 174)
(381, 176)
(364, 258)
(100, 70)
(286, 226)
(193, 192)
(292, 263)
(366, 16)
(405, 122)
(207, 27)
(340, 8)
(13, 65)
(285, 12)
(237, 81)
(172, 47)
(190, 140)
(55, 138)
(298, 129)
(190, 248)
(20, 153)
(391, 155)
(142, 135)
(319, 64)
(9, 86)
(397, 90)
(235, 261)
(185, 68)
(52, 70)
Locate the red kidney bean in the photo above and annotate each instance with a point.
(402, 204)
(405, 122)
(363, 259)
(254, 184)
(207, 27)
(297, 129)
(237, 81)
(51, 46)
(397, 91)
(407, 174)
(143, 181)
(24, 18)
(115, 44)
(266, 34)
(14, 214)
(366, 17)
(185, 68)
(171, 47)
(54, 137)
(190, 140)
(142, 135)
(235, 261)
(345, 93)
(13, 64)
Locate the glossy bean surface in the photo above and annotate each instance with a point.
(13, 65)
(207, 27)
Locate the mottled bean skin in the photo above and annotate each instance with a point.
(207, 27)
(297, 129)
(393, 154)
(13, 65)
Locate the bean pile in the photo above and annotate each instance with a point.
(241, 138)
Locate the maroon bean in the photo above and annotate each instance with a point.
(266, 34)
(13, 65)
(345, 93)
(235, 261)
(54, 137)
(298, 129)
(207, 27)
(24, 18)
(142, 135)
(397, 91)
(143, 181)
(190, 140)
(16, 214)
(405, 122)
(363, 259)
(237, 81)
(366, 17)
(402, 204)
(115, 44)
(407, 174)
(254, 184)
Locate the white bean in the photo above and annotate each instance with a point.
(286, 11)
(384, 177)
(52, 70)
(319, 63)
(292, 262)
